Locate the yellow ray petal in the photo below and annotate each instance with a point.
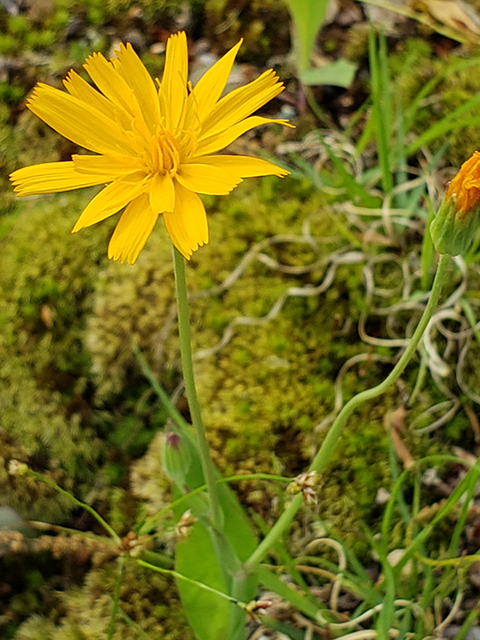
(50, 177)
(191, 126)
(110, 167)
(187, 225)
(78, 87)
(173, 88)
(218, 141)
(132, 231)
(109, 81)
(110, 200)
(243, 166)
(209, 88)
(242, 102)
(78, 121)
(133, 71)
(162, 193)
(207, 179)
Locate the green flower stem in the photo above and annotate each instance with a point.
(208, 467)
(51, 483)
(201, 585)
(331, 439)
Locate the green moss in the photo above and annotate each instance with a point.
(35, 430)
(132, 307)
(30, 142)
(147, 598)
(264, 392)
(18, 25)
(264, 25)
(140, 308)
(10, 93)
(41, 39)
(8, 44)
(46, 283)
(40, 28)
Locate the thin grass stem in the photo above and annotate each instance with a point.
(116, 599)
(77, 502)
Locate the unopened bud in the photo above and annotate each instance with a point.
(455, 225)
(176, 457)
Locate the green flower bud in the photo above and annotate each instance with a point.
(457, 221)
(175, 457)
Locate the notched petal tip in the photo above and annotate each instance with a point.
(37, 91)
(123, 47)
(187, 253)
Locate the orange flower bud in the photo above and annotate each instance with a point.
(454, 227)
(464, 189)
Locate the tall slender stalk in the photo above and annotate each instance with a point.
(333, 435)
(193, 403)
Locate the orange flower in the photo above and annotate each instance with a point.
(458, 218)
(464, 189)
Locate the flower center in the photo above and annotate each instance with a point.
(166, 153)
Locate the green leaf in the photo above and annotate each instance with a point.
(238, 529)
(453, 120)
(208, 613)
(339, 73)
(382, 107)
(211, 616)
(307, 16)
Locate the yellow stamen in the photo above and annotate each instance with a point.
(168, 152)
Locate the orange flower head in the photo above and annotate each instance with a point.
(464, 189)
(456, 223)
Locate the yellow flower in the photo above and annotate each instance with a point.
(155, 146)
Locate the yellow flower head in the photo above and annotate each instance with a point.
(154, 146)
(464, 189)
